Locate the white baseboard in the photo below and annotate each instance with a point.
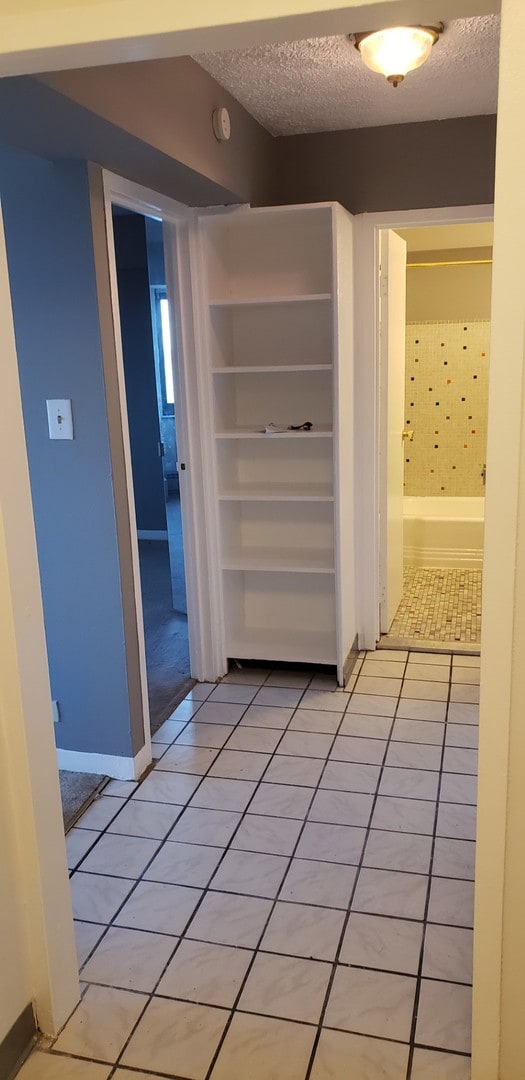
(446, 558)
(152, 534)
(119, 768)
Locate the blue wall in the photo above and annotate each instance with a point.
(50, 255)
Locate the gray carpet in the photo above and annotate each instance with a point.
(176, 553)
(77, 790)
(165, 619)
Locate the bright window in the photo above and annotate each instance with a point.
(162, 328)
(166, 349)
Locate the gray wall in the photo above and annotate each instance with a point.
(151, 122)
(139, 367)
(35, 118)
(50, 256)
(400, 167)
(168, 104)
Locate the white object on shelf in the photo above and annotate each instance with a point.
(285, 433)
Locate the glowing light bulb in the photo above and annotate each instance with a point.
(398, 50)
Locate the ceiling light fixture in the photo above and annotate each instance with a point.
(398, 50)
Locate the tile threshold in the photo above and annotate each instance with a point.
(461, 648)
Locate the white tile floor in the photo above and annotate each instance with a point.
(288, 895)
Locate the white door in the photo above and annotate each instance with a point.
(198, 525)
(391, 413)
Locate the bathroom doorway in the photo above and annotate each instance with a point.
(434, 427)
(148, 346)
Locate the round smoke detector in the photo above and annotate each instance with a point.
(221, 124)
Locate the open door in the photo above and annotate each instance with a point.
(392, 408)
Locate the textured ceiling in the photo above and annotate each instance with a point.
(321, 84)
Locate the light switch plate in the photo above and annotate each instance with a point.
(59, 418)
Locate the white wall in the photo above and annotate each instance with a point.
(39, 962)
(499, 937)
(15, 980)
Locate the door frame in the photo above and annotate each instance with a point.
(370, 492)
(389, 279)
(33, 831)
(179, 226)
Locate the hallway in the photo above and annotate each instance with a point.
(289, 890)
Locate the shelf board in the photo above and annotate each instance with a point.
(256, 301)
(284, 561)
(249, 433)
(276, 643)
(270, 369)
(274, 492)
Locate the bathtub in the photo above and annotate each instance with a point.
(443, 531)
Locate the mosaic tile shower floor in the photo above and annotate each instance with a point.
(288, 894)
(439, 605)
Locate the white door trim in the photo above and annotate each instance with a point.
(392, 287)
(367, 228)
(185, 273)
(32, 829)
(179, 225)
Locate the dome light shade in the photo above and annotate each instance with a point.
(398, 50)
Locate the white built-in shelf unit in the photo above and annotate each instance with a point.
(275, 354)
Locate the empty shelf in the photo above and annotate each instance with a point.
(294, 646)
(296, 562)
(272, 491)
(256, 301)
(270, 369)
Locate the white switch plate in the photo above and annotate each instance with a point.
(59, 418)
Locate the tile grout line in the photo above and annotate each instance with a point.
(136, 882)
(131, 795)
(245, 815)
(350, 902)
(204, 892)
(419, 976)
(257, 949)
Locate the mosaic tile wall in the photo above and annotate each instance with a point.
(446, 406)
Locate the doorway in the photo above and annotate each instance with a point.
(434, 356)
(149, 353)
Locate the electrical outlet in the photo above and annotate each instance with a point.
(56, 712)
